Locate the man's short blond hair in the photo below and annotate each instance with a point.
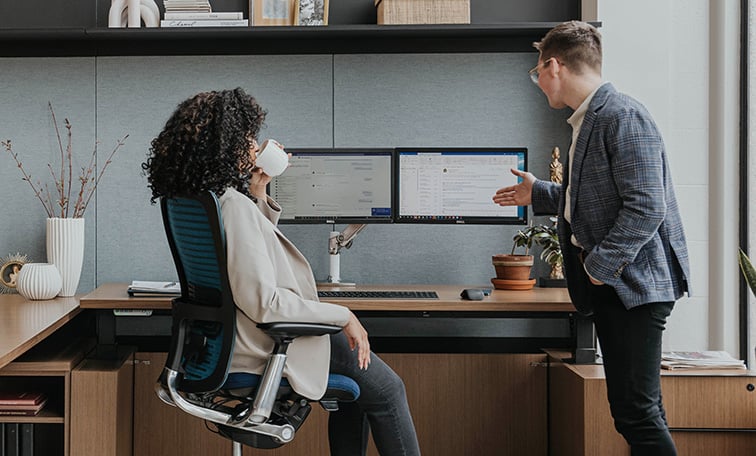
(575, 44)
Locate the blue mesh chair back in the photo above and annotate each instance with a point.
(204, 315)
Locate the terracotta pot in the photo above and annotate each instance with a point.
(512, 267)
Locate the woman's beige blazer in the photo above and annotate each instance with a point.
(272, 281)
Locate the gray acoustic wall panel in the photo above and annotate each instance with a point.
(137, 95)
(312, 101)
(28, 84)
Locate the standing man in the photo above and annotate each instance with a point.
(625, 255)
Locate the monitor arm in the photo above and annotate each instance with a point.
(337, 241)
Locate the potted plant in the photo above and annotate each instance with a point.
(517, 267)
(749, 272)
(513, 270)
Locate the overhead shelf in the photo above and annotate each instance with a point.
(335, 39)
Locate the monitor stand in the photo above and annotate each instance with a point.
(336, 241)
(334, 273)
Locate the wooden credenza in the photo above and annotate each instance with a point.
(709, 412)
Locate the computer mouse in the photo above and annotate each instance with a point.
(472, 294)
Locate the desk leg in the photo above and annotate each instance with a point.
(106, 327)
(585, 340)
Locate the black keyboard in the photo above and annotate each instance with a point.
(378, 294)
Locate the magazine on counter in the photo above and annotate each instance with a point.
(714, 359)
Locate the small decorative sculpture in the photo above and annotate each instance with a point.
(10, 266)
(131, 13)
(555, 174)
(555, 167)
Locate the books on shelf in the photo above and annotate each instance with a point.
(187, 5)
(21, 404)
(19, 439)
(147, 288)
(714, 359)
(205, 23)
(192, 16)
(198, 13)
(20, 398)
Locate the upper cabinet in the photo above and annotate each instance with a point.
(74, 28)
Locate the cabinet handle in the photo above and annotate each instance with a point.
(750, 387)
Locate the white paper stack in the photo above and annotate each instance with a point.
(700, 360)
(147, 288)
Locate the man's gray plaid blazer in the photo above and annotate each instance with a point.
(623, 207)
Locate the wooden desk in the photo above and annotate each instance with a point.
(25, 323)
(114, 296)
(464, 400)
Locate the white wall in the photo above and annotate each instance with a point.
(679, 58)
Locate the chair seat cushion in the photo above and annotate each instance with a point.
(340, 387)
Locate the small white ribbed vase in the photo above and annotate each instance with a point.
(38, 281)
(65, 249)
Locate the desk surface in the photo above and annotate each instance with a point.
(24, 323)
(114, 296)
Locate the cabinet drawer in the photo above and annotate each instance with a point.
(715, 402)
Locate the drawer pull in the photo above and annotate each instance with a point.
(750, 387)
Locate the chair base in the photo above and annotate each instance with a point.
(252, 439)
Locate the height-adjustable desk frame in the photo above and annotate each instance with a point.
(504, 322)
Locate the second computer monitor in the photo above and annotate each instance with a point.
(335, 186)
(456, 185)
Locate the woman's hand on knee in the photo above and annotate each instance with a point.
(358, 338)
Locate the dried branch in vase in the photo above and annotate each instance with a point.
(58, 202)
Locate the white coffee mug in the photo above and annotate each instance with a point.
(272, 158)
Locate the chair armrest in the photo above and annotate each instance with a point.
(282, 333)
(292, 330)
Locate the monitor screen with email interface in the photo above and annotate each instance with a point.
(456, 185)
(335, 186)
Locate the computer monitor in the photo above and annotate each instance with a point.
(345, 185)
(455, 185)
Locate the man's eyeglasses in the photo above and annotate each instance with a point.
(534, 73)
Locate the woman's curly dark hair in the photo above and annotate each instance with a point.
(205, 145)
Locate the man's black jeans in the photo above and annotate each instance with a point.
(631, 347)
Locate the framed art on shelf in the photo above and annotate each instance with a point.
(311, 12)
(272, 12)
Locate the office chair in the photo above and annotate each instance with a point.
(261, 411)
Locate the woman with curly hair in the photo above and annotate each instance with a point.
(209, 143)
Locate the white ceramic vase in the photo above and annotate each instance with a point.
(38, 281)
(65, 249)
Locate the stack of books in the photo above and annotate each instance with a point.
(700, 360)
(23, 403)
(198, 13)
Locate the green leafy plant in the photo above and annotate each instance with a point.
(543, 236)
(546, 237)
(58, 203)
(748, 271)
(523, 238)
